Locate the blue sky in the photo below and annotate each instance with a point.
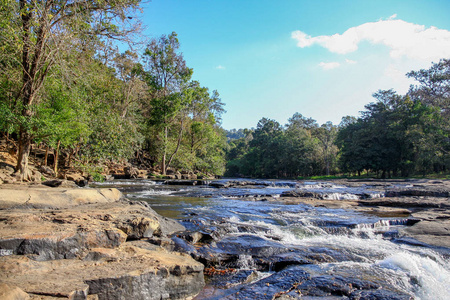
(322, 58)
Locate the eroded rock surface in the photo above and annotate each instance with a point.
(89, 244)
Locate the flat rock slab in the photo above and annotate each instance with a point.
(127, 272)
(17, 196)
(69, 233)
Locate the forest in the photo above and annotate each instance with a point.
(65, 87)
(395, 136)
(69, 90)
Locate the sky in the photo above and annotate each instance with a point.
(321, 58)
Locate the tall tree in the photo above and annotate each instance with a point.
(326, 134)
(166, 74)
(41, 31)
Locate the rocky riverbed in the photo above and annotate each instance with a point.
(251, 239)
(275, 239)
(88, 244)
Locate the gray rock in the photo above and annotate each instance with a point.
(379, 294)
(46, 170)
(175, 283)
(60, 183)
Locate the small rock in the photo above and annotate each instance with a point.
(131, 172)
(60, 183)
(47, 171)
(8, 169)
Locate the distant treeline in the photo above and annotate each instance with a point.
(397, 135)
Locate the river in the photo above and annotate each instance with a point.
(257, 247)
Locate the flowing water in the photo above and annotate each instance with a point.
(246, 232)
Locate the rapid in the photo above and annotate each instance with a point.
(262, 243)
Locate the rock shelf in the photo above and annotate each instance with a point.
(65, 243)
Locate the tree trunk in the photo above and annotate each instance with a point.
(24, 153)
(163, 162)
(180, 135)
(56, 158)
(46, 156)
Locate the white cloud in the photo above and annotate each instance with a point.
(404, 39)
(392, 17)
(350, 62)
(220, 67)
(329, 66)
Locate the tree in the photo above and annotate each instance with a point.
(326, 134)
(394, 134)
(133, 89)
(39, 32)
(434, 88)
(166, 74)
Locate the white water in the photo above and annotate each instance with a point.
(431, 275)
(421, 272)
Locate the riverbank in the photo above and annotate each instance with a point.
(76, 243)
(87, 243)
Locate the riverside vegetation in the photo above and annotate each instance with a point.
(71, 100)
(69, 94)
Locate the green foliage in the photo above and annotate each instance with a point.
(395, 135)
(183, 127)
(301, 148)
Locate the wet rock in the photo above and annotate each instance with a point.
(220, 184)
(418, 192)
(328, 285)
(183, 246)
(300, 194)
(210, 256)
(379, 294)
(281, 261)
(191, 237)
(229, 251)
(250, 245)
(229, 278)
(181, 182)
(272, 286)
